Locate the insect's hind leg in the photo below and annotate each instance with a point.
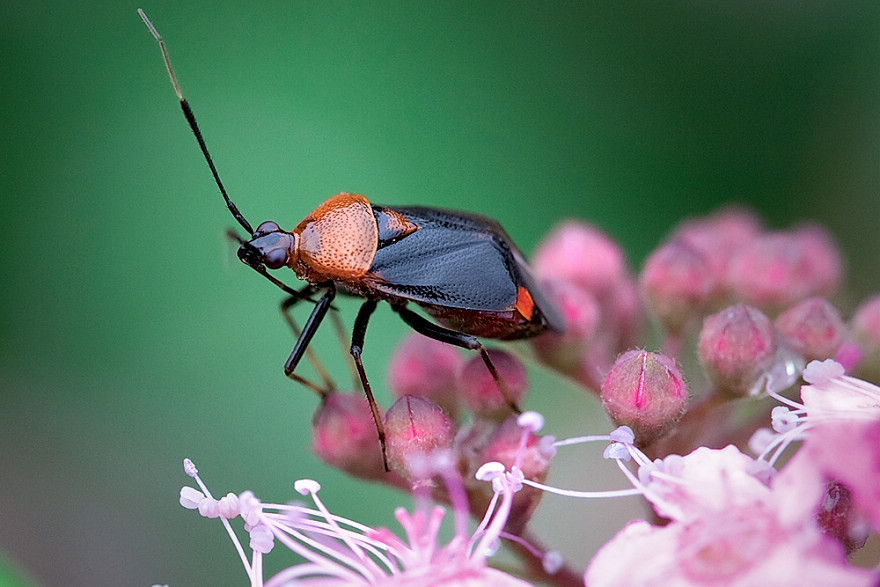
(427, 328)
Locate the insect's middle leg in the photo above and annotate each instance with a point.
(357, 347)
(427, 328)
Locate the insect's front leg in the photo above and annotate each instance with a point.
(308, 331)
(427, 328)
(327, 386)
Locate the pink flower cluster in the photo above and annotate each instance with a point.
(735, 520)
(336, 551)
(761, 464)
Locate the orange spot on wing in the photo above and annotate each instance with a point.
(525, 305)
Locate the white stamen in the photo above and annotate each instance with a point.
(229, 506)
(306, 486)
(761, 440)
(783, 420)
(533, 421)
(190, 497)
(262, 540)
(209, 508)
(820, 373)
(616, 451)
(489, 471)
(552, 562)
(623, 434)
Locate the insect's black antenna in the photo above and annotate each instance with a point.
(191, 119)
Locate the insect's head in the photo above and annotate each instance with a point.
(270, 247)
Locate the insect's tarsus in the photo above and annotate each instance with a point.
(191, 119)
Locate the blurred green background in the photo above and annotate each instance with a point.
(132, 337)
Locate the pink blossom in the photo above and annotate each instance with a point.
(726, 527)
(738, 548)
(865, 325)
(843, 415)
(341, 552)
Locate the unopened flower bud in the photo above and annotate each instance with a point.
(825, 269)
(623, 316)
(813, 328)
(780, 269)
(414, 429)
(580, 253)
(427, 368)
(720, 235)
(646, 392)
(866, 331)
(678, 284)
(344, 436)
(735, 346)
(481, 392)
(581, 311)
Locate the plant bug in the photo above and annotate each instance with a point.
(461, 269)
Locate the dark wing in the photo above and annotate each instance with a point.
(453, 259)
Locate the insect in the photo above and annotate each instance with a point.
(461, 269)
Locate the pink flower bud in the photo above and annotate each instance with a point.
(734, 346)
(678, 284)
(720, 235)
(581, 311)
(624, 318)
(825, 269)
(427, 368)
(344, 436)
(866, 332)
(596, 331)
(813, 328)
(415, 428)
(646, 392)
(780, 269)
(582, 254)
(480, 391)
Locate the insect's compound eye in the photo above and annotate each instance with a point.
(276, 258)
(267, 227)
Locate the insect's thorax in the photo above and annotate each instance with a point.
(337, 241)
